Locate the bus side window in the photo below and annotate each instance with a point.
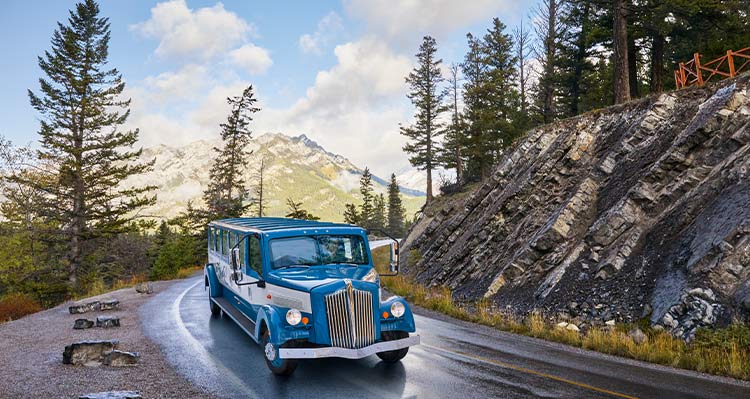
(217, 240)
(224, 242)
(254, 252)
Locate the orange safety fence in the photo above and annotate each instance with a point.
(694, 73)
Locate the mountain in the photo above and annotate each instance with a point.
(638, 212)
(296, 167)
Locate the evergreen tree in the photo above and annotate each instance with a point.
(296, 211)
(396, 212)
(548, 32)
(427, 97)
(226, 192)
(454, 140)
(378, 217)
(367, 210)
(351, 215)
(575, 53)
(491, 98)
(620, 42)
(86, 158)
(260, 199)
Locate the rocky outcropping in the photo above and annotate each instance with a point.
(639, 210)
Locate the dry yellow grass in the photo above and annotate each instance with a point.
(723, 351)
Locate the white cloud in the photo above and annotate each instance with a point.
(185, 33)
(328, 27)
(252, 58)
(354, 108)
(399, 19)
(169, 86)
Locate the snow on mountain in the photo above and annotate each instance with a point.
(296, 167)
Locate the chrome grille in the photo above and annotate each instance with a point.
(350, 319)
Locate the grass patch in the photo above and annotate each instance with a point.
(721, 351)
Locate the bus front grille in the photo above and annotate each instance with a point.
(350, 318)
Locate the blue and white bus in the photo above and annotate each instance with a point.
(305, 290)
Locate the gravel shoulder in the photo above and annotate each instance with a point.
(31, 354)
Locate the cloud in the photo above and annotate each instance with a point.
(353, 108)
(399, 19)
(328, 27)
(251, 58)
(169, 86)
(186, 33)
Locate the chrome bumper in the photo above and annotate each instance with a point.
(331, 351)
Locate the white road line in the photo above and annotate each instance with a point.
(205, 357)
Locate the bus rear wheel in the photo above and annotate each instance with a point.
(397, 354)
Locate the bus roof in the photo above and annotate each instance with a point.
(275, 224)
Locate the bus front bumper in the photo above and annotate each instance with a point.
(346, 353)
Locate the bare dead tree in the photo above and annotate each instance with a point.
(522, 40)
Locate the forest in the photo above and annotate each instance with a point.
(572, 56)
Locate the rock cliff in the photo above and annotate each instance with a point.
(639, 210)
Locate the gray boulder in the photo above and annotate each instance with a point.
(81, 324)
(88, 353)
(83, 307)
(118, 358)
(637, 335)
(109, 304)
(113, 395)
(144, 288)
(107, 321)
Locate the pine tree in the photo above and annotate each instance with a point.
(226, 192)
(491, 98)
(296, 211)
(86, 157)
(351, 215)
(548, 32)
(621, 79)
(577, 23)
(367, 210)
(260, 199)
(396, 212)
(427, 97)
(378, 216)
(522, 41)
(454, 140)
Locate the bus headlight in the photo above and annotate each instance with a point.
(397, 309)
(293, 317)
(371, 276)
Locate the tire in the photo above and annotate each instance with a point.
(215, 309)
(394, 355)
(278, 366)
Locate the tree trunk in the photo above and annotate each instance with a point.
(633, 68)
(656, 84)
(620, 56)
(580, 59)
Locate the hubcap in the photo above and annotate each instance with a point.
(270, 352)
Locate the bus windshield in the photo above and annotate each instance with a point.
(317, 250)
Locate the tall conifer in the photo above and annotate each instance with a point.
(86, 157)
(427, 97)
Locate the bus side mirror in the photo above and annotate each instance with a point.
(236, 259)
(394, 257)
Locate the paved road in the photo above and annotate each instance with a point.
(455, 360)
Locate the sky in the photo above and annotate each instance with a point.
(332, 70)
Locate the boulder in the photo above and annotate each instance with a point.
(109, 304)
(144, 288)
(572, 327)
(83, 307)
(610, 323)
(113, 395)
(107, 321)
(88, 353)
(81, 324)
(118, 358)
(637, 335)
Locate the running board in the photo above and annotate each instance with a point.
(243, 321)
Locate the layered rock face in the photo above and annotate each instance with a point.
(638, 210)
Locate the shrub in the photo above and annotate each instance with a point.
(16, 305)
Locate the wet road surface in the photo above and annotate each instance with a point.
(455, 360)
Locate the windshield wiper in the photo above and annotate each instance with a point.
(291, 266)
(344, 263)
